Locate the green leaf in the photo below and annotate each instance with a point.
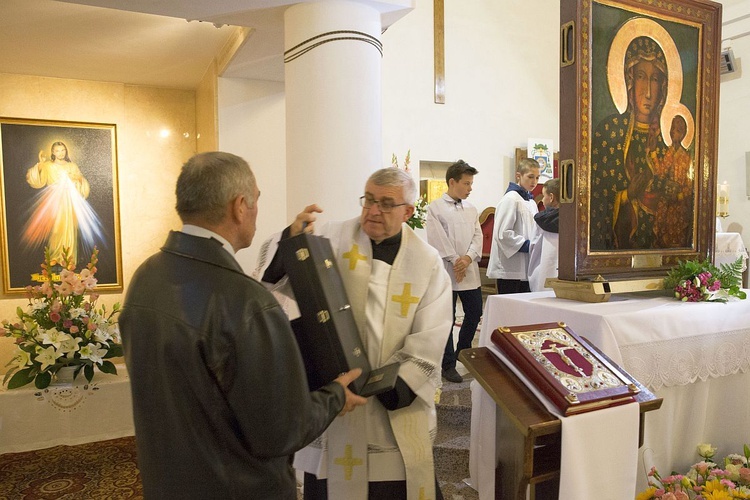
(21, 378)
(115, 351)
(88, 371)
(730, 275)
(108, 367)
(9, 372)
(747, 452)
(42, 380)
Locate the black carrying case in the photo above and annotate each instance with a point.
(326, 332)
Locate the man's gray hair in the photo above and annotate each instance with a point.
(396, 177)
(209, 181)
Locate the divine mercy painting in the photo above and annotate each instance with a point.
(59, 191)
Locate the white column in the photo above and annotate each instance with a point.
(333, 104)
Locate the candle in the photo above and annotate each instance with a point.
(723, 208)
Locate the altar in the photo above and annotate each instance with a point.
(68, 414)
(696, 356)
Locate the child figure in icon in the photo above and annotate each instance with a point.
(675, 210)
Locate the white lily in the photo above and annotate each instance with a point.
(55, 337)
(21, 359)
(47, 357)
(94, 352)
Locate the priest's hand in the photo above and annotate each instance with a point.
(352, 400)
(305, 221)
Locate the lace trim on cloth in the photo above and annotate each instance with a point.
(731, 256)
(429, 369)
(668, 363)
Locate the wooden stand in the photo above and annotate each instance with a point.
(530, 436)
(599, 290)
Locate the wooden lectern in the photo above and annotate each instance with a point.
(529, 436)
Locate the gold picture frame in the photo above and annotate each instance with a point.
(59, 189)
(639, 86)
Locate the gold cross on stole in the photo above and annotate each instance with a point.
(353, 255)
(348, 462)
(422, 495)
(406, 299)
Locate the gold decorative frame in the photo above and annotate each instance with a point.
(594, 38)
(30, 183)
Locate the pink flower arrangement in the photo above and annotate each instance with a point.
(700, 288)
(699, 281)
(62, 326)
(705, 480)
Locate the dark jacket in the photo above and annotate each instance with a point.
(549, 219)
(220, 397)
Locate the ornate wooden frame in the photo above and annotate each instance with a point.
(689, 34)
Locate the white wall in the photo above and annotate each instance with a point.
(501, 87)
(252, 125)
(734, 112)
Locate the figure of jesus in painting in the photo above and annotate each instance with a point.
(60, 210)
(675, 208)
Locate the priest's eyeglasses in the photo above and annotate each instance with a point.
(385, 205)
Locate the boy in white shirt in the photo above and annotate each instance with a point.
(453, 229)
(513, 231)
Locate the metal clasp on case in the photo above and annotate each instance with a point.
(323, 316)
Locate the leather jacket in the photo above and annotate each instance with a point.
(220, 397)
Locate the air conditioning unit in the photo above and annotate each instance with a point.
(726, 62)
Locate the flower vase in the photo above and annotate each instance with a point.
(64, 376)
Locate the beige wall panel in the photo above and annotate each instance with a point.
(155, 136)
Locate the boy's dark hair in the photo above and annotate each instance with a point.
(458, 169)
(553, 187)
(527, 164)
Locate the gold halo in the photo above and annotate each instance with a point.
(641, 26)
(667, 115)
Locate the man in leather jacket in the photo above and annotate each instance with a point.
(220, 396)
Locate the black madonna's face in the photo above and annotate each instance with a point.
(647, 81)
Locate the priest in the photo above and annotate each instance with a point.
(401, 298)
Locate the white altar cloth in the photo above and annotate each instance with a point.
(729, 247)
(705, 389)
(32, 419)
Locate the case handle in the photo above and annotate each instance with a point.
(567, 181)
(567, 44)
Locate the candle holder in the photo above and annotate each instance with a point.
(722, 210)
